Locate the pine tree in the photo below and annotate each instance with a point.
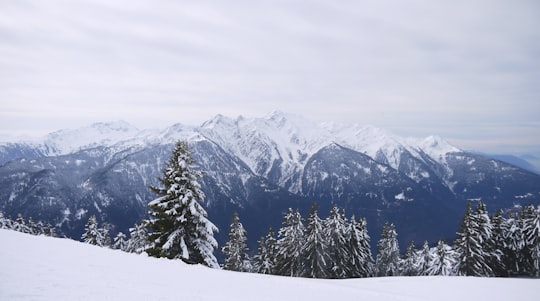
(499, 226)
(315, 249)
(444, 261)
(120, 242)
(178, 224)
(265, 258)
(424, 260)
(92, 233)
(236, 250)
(105, 233)
(387, 262)
(20, 225)
(408, 264)
(335, 233)
(360, 260)
(531, 233)
(474, 245)
(5, 223)
(513, 243)
(138, 239)
(289, 245)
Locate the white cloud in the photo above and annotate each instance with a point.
(416, 67)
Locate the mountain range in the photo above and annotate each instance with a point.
(259, 167)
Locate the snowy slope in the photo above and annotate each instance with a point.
(44, 268)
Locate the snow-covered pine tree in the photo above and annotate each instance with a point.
(49, 230)
(424, 259)
(499, 226)
(531, 233)
(20, 225)
(444, 261)
(235, 250)
(33, 228)
(408, 264)
(387, 262)
(335, 233)
(474, 243)
(5, 223)
(92, 233)
(105, 233)
(264, 260)
(360, 260)
(178, 224)
(315, 249)
(138, 239)
(289, 245)
(513, 243)
(120, 242)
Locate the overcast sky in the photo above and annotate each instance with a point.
(468, 71)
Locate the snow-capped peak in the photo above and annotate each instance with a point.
(436, 147)
(97, 134)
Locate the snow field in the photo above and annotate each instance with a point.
(45, 268)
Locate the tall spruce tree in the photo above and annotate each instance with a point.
(531, 234)
(264, 260)
(235, 250)
(424, 259)
(335, 232)
(408, 264)
(178, 224)
(360, 260)
(289, 245)
(315, 249)
(387, 262)
(474, 243)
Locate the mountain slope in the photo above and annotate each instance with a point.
(259, 167)
(45, 268)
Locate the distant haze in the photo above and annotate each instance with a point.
(465, 70)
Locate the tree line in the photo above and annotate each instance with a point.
(27, 226)
(503, 245)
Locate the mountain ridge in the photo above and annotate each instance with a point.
(259, 167)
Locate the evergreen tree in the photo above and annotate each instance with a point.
(265, 258)
(424, 259)
(178, 224)
(236, 250)
(360, 260)
(474, 245)
(499, 227)
(107, 241)
(32, 226)
(5, 223)
(20, 225)
(387, 262)
(531, 234)
(120, 242)
(408, 264)
(513, 243)
(338, 248)
(49, 230)
(138, 239)
(92, 233)
(315, 249)
(444, 261)
(289, 245)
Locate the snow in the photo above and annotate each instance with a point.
(278, 140)
(45, 268)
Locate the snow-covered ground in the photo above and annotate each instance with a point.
(44, 268)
